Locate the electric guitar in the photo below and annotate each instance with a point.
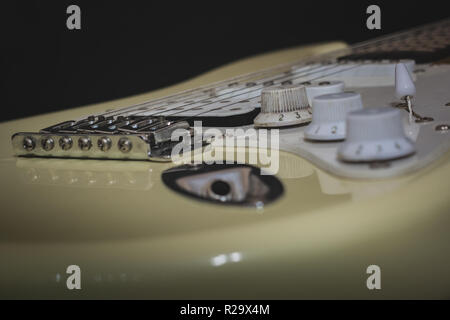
(293, 174)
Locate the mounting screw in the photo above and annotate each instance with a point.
(125, 145)
(104, 144)
(65, 143)
(424, 119)
(28, 143)
(442, 127)
(47, 144)
(84, 143)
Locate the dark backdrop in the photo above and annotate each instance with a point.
(130, 47)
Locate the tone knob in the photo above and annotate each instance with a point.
(314, 89)
(329, 112)
(375, 134)
(284, 105)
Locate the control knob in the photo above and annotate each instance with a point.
(284, 105)
(329, 113)
(318, 88)
(375, 134)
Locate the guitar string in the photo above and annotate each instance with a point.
(258, 87)
(234, 103)
(188, 94)
(254, 89)
(241, 78)
(207, 99)
(334, 66)
(222, 107)
(216, 85)
(367, 43)
(273, 69)
(216, 109)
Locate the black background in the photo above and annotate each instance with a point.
(130, 47)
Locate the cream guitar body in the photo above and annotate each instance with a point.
(134, 237)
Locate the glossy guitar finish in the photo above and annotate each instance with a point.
(135, 238)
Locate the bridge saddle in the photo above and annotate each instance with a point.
(120, 137)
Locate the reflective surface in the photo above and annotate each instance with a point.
(224, 184)
(134, 237)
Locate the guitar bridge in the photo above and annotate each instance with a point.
(99, 137)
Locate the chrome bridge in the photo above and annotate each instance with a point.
(100, 137)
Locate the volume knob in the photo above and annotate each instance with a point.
(314, 89)
(329, 112)
(375, 134)
(283, 106)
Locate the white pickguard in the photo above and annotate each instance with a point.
(432, 96)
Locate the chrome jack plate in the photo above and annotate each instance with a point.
(228, 184)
